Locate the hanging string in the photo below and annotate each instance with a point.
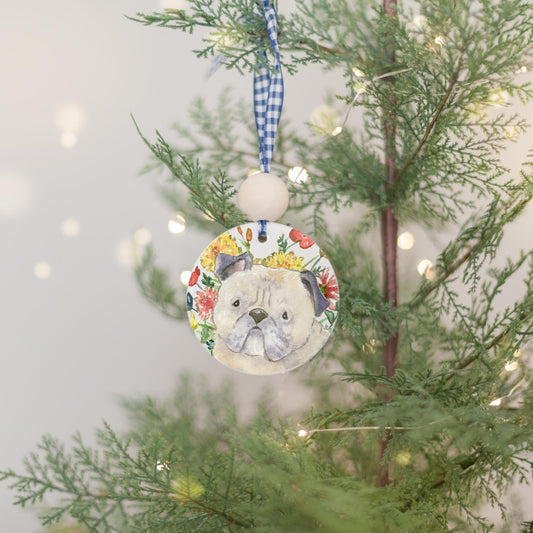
(268, 92)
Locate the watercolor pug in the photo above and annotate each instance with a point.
(262, 307)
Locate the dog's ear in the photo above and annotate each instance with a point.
(226, 265)
(310, 283)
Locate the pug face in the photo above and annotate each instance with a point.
(265, 313)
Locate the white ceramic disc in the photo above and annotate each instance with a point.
(262, 298)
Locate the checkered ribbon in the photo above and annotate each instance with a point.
(268, 93)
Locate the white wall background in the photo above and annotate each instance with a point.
(72, 343)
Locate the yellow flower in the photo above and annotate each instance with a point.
(288, 260)
(223, 243)
(186, 489)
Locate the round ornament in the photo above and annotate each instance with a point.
(262, 298)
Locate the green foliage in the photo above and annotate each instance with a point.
(190, 464)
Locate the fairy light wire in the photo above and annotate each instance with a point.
(362, 89)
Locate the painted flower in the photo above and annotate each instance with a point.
(249, 234)
(284, 260)
(223, 243)
(298, 236)
(327, 283)
(194, 277)
(205, 301)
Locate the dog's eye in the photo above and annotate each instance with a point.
(236, 303)
(285, 316)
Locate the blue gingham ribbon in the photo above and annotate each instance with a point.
(268, 92)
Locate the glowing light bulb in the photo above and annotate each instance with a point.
(420, 21)
(511, 132)
(496, 402)
(176, 223)
(142, 236)
(185, 276)
(406, 240)
(161, 465)
(127, 253)
(42, 270)
(522, 69)
(302, 433)
(358, 73)
(498, 98)
(324, 119)
(336, 131)
(423, 266)
(511, 366)
(298, 175)
(70, 117)
(16, 195)
(68, 139)
(439, 40)
(70, 227)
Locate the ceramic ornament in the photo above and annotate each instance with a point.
(262, 306)
(262, 297)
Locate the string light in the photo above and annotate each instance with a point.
(420, 21)
(298, 175)
(439, 40)
(303, 433)
(68, 139)
(324, 119)
(358, 73)
(142, 236)
(511, 366)
(360, 88)
(185, 276)
(495, 403)
(406, 240)
(16, 195)
(176, 223)
(42, 270)
(161, 465)
(423, 266)
(498, 401)
(517, 353)
(498, 98)
(70, 227)
(522, 69)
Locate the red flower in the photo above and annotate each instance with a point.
(304, 240)
(194, 277)
(205, 301)
(328, 286)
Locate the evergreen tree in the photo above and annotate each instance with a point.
(441, 418)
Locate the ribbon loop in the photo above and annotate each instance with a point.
(268, 93)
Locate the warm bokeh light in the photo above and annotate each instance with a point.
(70, 117)
(142, 236)
(42, 270)
(511, 366)
(302, 433)
(358, 73)
(424, 266)
(185, 276)
(70, 227)
(16, 195)
(176, 223)
(298, 175)
(324, 119)
(406, 240)
(336, 131)
(68, 139)
(439, 40)
(496, 402)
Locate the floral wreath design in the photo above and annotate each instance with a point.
(293, 250)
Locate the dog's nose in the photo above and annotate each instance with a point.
(258, 315)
